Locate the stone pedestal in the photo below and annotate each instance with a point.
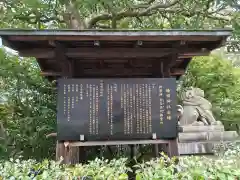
(201, 139)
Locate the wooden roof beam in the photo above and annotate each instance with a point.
(190, 55)
(98, 52)
(177, 72)
(110, 53)
(109, 71)
(113, 38)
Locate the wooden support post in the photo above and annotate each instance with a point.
(69, 154)
(66, 65)
(165, 69)
(173, 148)
(82, 154)
(132, 175)
(133, 150)
(156, 150)
(59, 150)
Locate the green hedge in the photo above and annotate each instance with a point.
(224, 166)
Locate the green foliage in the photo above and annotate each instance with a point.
(229, 150)
(221, 84)
(224, 166)
(97, 169)
(28, 108)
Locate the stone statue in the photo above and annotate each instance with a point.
(196, 109)
(199, 129)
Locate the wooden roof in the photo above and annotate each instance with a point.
(113, 53)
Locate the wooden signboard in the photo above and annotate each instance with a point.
(116, 109)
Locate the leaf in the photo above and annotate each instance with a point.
(138, 177)
(123, 176)
(45, 175)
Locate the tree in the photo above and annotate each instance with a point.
(29, 110)
(130, 14)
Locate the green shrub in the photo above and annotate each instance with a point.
(226, 165)
(192, 168)
(30, 169)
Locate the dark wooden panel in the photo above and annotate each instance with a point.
(116, 109)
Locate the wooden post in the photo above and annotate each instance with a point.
(59, 150)
(82, 154)
(172, 149)
(156, 150)
(71, 155)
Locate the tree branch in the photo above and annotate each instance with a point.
(33, 19)
(51, 135)
(102, 26)
(131, 13)
(98, 18)
(143, 5)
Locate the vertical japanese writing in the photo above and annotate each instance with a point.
(124, 109)
(147, 109)
(64, 89)
(77, 90)
(144, 109)
(73, 102)
(68, 110)
(69, 88)
(93, 109)
(150, 106)
(69, 102)
(111, 110)
(64, 99)
(141, 109)
(101, 88)
(121, 95)
(131, 111)
(134, 106)
(73, 98)
(73, 88)
(115, 87)
(81, 91)
(161, 106)
(97, 108)
(64, 105)
(137, 109)
(168, 104)
(89, 93)
(87, 90)
(108, 105)
(127, 106)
